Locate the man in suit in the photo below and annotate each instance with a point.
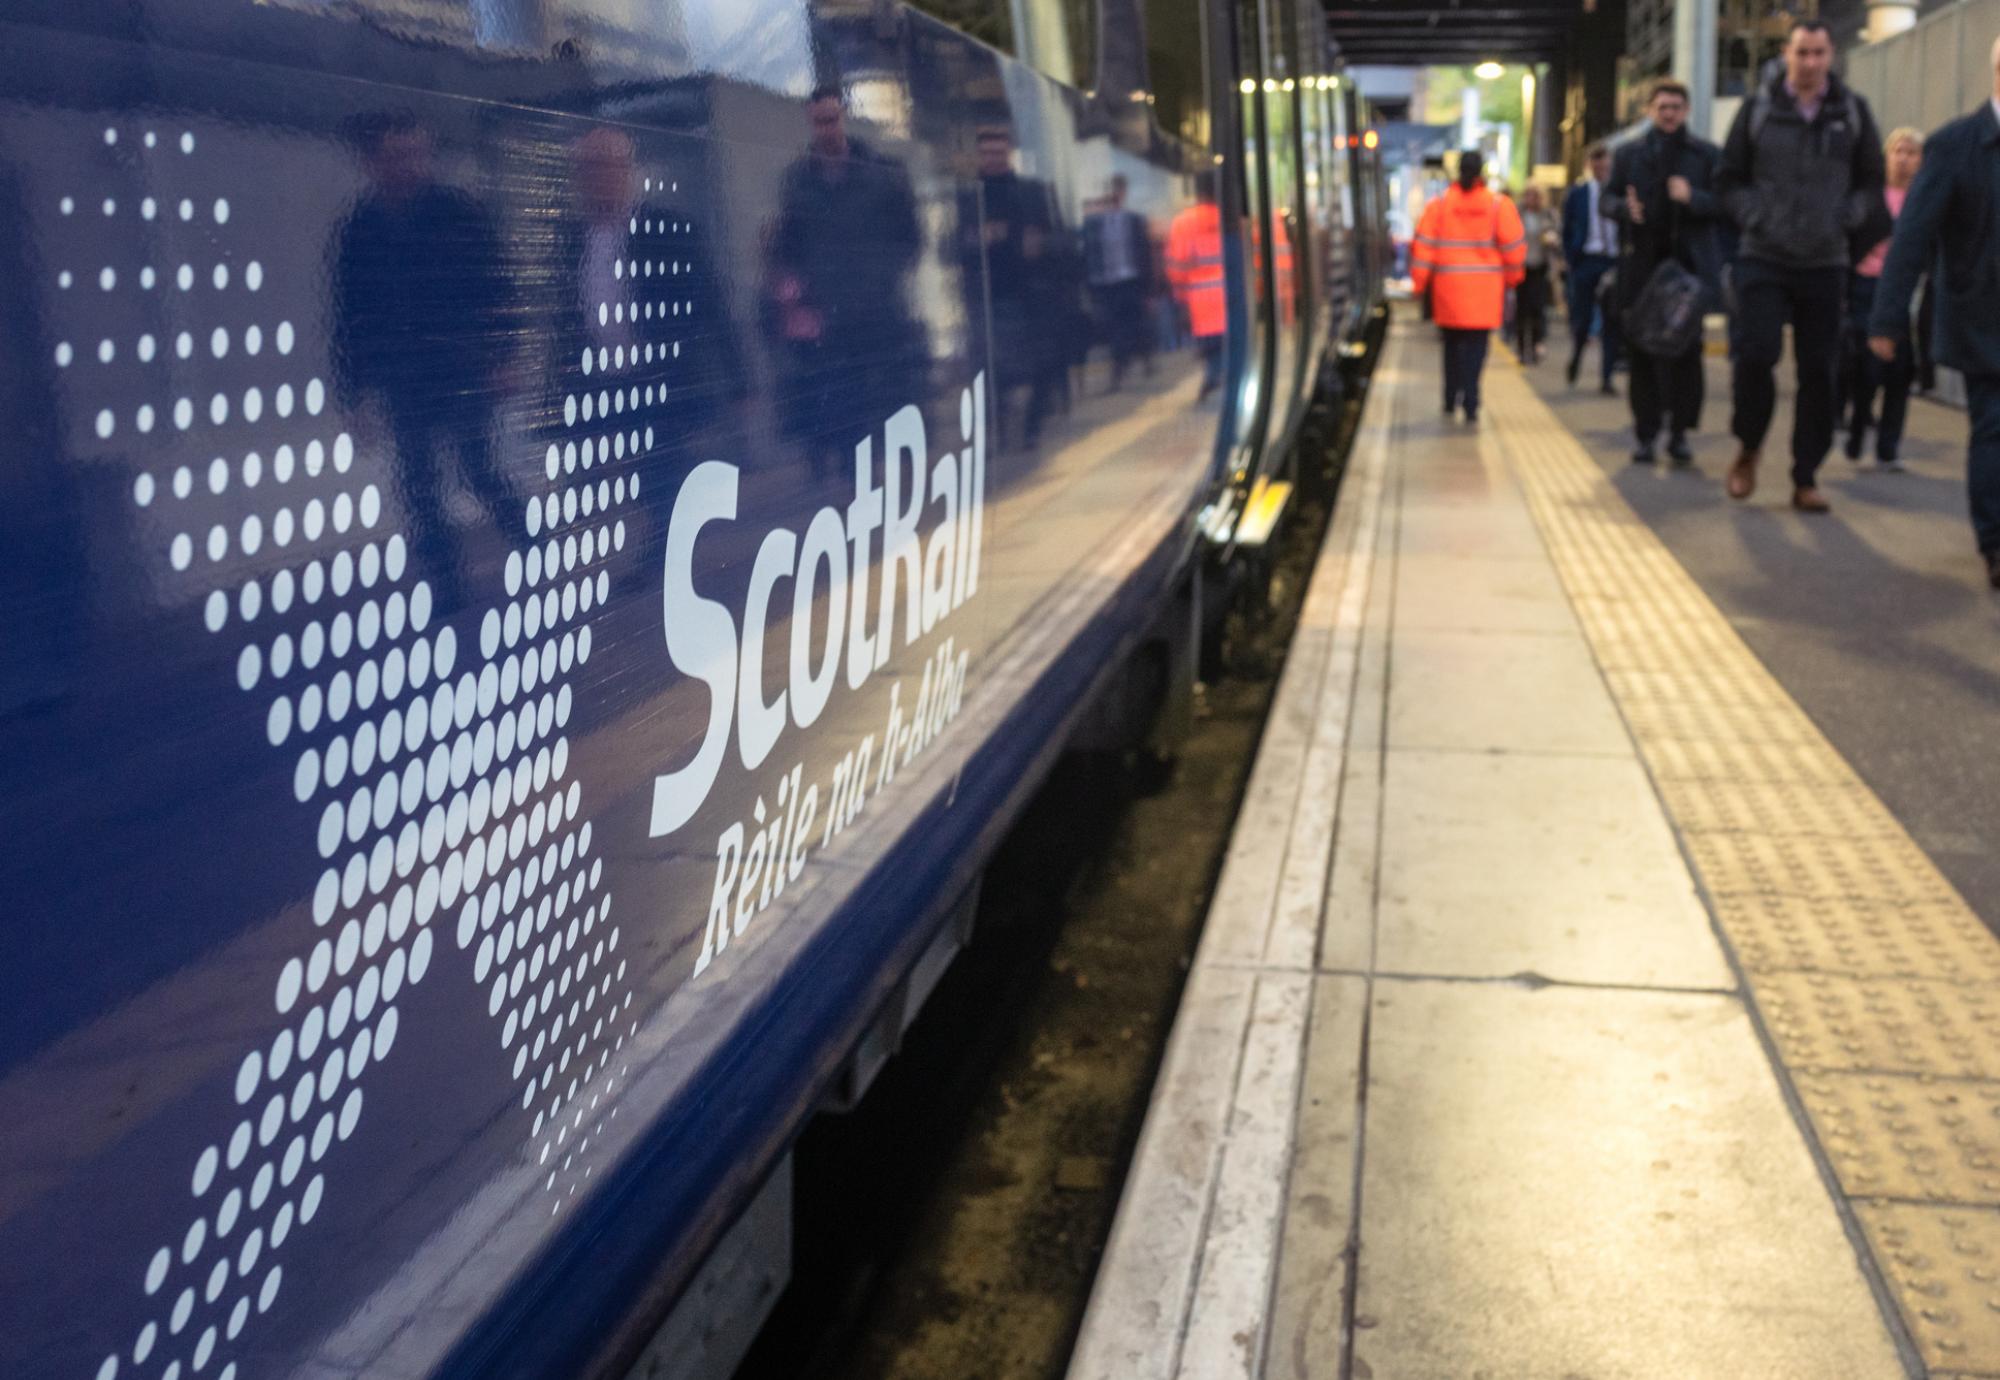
(1946, 220)
(1662, 196)
(1118, 258)
(1590, 247)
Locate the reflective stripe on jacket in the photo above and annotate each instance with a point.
(1469, 249)
(1194, 267)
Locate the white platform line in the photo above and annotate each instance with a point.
(1184, 1288)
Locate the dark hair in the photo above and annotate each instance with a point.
(1667, 86)
(1809, 26)
(1598, 151)
(367, 131)
(826, 91)
(1471, 164)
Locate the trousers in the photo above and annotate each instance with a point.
(1767, 296)
(1863, 377)
(1464, 359)
(1584, 276)
(1666, 389)
(1982, 460)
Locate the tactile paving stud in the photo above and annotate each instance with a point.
(1787, 762)
(1944, 1266)
(1891, 1136)
(1824, 1021)
(1735, 723)
(1780, 808)
(1858, 937)
(1877, 869)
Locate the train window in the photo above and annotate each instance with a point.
(1062, 38)
(1057, 36)
(1177, 70)
(989, 21)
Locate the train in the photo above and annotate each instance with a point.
(546, 545)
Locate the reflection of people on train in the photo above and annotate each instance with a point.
(1014, 226)
(421, 322)
(1194, 267)
(1118, 260)
(845, 238)
(639, 306)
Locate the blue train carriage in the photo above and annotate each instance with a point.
(545, 548)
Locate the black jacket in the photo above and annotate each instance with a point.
(1803, 192)
(1686, 233)
(1950, 227)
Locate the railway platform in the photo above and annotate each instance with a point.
(1589, 990)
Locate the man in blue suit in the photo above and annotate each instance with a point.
(1590, 247)
(1943, 230)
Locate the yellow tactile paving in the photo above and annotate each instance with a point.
(1901, 1025)
(1878, 984)
(1779, 808)
(1944, 1265)
(1932, 1140)
(1858, 936)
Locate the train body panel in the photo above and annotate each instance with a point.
(542, 557)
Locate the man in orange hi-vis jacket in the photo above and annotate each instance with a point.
(1469, 250)
(1194, 267)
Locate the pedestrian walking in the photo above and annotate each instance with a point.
(1864, 377)
(1469, 250)
(1531, 298)
(1946, 227)
(1662, 195)
(1590, 249)
(1801, 173)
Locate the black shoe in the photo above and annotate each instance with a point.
(1678, 452)
(1472, 416)
(1642, 454)
(1993, 568)
(1608, 389)
(1575, 367)
(1853, 447)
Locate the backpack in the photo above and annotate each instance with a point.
(1666, 318)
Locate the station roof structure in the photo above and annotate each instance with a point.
(1425, 33)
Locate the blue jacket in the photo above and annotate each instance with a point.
(1576, 222)
(1950, 227)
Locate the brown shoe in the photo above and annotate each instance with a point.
(1742, 481)
(1810, 500)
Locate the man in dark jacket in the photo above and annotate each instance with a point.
(1801, 174)
(424, 314)
(1948, 228)
(841, 252)
(1662, 196)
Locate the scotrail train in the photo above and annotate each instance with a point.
(542, 546)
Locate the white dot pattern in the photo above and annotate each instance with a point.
(429, 787)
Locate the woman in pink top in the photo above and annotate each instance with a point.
(1864, 374)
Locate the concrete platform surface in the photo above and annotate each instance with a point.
(1569, 1006)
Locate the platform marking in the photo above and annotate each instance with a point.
(1184, 1288)
(1877, 984)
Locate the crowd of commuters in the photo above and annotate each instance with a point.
(1877, 252)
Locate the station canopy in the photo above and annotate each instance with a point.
(1427, 33)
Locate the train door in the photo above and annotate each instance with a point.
(1317, 257)
(1284, 230)
(1248, 199)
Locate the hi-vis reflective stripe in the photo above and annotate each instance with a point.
(1436, 243)
(1468, 268)
(1512, 245)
